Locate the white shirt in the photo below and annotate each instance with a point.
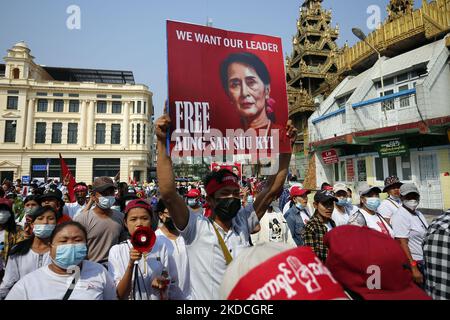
(43, 284)
(274, 228)
(377, 223)
(412, 227)
(71, 209)
(180, 284)
(21, 265)
(342, 218)
(388, 207)
(206, 259)
(150, 266)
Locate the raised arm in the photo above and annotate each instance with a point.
(166, 180)
(275, 183)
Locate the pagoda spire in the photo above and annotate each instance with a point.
(398, 8)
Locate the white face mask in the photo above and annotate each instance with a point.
(4, 216)
(106, 202)
(411, 204)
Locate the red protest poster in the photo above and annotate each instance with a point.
(236, 168)
(227, 92)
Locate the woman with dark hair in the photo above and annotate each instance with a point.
(33, 253)
(29, 205)
(69, 275)
(10, 233)
(246, 81)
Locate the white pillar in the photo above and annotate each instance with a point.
(83, 124)
(126, 125)
(29, 128)
(90, 125)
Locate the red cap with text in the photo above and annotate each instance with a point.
(193, 193)
(296, 274)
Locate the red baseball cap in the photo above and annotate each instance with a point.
(193, 193)
(138, 203)
(298, 192)
(274, 271)
(357, 254)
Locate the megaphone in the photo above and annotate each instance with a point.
(143, 239)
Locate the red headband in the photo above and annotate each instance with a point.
(80, 188)
(228, 180)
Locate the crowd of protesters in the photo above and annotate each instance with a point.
(219, 238)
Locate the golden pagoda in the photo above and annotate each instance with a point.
(311, 69)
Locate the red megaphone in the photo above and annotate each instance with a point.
(143, 239)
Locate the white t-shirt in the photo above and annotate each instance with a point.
(21, 265)
(71, 209)
(206, 259)
(180, 284)
(43, 284)
(411, 227)
(274, 228)
(342, 218)
(150, 267)
(388, 207)
(377, 223)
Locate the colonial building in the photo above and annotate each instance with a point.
(99, 120)
(311, 71)
(366, 132)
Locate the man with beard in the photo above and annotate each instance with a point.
(212, 243)
(80, 190)
(180, 284)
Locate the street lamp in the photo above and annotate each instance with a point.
(361, 36)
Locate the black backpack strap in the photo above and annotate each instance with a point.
(70, 289)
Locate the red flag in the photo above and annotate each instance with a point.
(65, 171)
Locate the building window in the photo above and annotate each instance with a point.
(72, 133)
(117, 107)
(74, 95)
(402, 77)
(134, 103)
(116, 96)
(362, 172)
(16, 73)
(54, 167)
(56, 132)
(138, 133)
(115, 134)
(101, 106)
(100, 133)
(10, 130)
(42, 105)
(58, 94)
(139, 107)
(145, 107)
(406, 167)
(387, 104)
(58, 106)
(339, 171)
(41, 94)
(145, 131)
(74, 105)
(392, 166)
(105, 167)
(379, 171)
(132, 133)
(12, 103)
(40, 132)
(404, 101)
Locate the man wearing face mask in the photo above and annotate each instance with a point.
(80, 190)
(343, 208)
(410, 227)
(213, 242)
(193, 201)
(367, 214)
(105, 225)
(180, 286)
(389, 206)
(298, 215)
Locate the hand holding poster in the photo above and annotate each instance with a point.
(227, 92)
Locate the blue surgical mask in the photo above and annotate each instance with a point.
(43, 231)
(299, 206)
(70, 254)
(192, 202)
(373, 203)
(4, 216)
(106, 202)
(342, 202)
